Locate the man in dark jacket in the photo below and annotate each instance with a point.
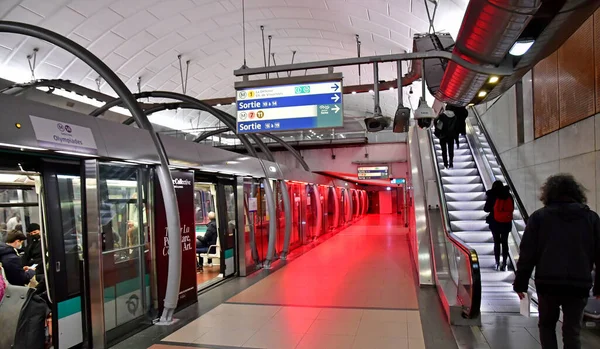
(445, 131)
(16, 274)
(203, 243)
(562, 243)
(33, 250)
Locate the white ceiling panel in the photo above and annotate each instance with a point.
(143, 38)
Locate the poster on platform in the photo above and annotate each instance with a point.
(183, 181)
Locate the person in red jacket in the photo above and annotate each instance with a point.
(562, 242)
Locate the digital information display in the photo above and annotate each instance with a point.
(290, 107)
(398, 181)
(373, 172)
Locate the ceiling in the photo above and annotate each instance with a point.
(142, 38)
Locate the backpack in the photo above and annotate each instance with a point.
(503, 210)
(438, 129)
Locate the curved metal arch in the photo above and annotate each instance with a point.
(289, 148)
(205, 135)
(164, 175)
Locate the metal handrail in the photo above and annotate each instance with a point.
(518, 200)
(472, 256)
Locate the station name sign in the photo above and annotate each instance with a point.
(287, 107)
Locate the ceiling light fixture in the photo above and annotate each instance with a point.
(521, 47)
(22, 147)
(219, 104)
(391, 89)
(493, 79)
(353, 92)
(482, 94)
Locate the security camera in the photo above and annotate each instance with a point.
(424, 111)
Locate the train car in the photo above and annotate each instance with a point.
(91, 185)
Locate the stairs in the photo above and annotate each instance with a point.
(465, 196)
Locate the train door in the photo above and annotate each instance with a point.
(66, 255)
(297, 217)
(226, 206)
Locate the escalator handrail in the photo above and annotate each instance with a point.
(475, 309)
(505, 174)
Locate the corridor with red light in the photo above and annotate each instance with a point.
(356, 290)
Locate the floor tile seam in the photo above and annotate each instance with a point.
(198, 345)
(321, 306)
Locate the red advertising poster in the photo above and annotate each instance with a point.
(183, 181)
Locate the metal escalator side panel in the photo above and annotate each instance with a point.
(463, 261)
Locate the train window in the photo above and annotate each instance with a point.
(69, 191)
(18, 203)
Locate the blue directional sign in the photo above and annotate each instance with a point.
(290, 107)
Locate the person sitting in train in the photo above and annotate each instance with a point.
(11, 261)
(33, 250)
(209, 239)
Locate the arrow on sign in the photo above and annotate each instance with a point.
(335, 87)
(335, 109)
(335, 98)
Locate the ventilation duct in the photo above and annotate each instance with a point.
(488, 31)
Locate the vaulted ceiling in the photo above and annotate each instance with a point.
(142, 39)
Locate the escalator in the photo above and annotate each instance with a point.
(464, 190)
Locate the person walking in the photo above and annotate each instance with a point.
(500, 205)
(445, 130)
(562, 242)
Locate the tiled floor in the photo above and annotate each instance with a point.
(281, 327)
(366, 266)
(356, 290)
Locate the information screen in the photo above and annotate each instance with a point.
(398, 181)
(373, 172)
(290, 107)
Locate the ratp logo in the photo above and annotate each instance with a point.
(64, 128)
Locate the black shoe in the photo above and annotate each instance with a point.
(451, 165)
(445, 166)
(497, 267)
(503, 267)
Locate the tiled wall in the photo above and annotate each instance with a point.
(573, 149)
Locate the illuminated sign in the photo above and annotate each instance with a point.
(398, 181)
(373, 172)
(290, 107)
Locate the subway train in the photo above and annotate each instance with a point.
(91, 185)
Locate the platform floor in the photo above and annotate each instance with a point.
(356, 290)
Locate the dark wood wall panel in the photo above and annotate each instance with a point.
(576, 77)
(545, 96)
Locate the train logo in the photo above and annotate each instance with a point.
(64, 128)
(242, 94)
(260, 114)
(243, 116)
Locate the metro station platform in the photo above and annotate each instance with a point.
(356, 290)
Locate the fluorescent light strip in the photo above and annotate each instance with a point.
(76, 154)
(21, 147)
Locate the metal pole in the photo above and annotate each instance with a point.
(287, 207)
(423, 78)
(400, 94)
(477, 68)
(164, 175)
(377, 110)
(262, 32)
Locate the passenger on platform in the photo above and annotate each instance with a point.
(500, 205)
(11, 261)
(209, 239)
(562, 243)
(445, 130)
(33, 250)
(12, 223)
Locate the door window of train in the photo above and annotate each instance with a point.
(18, 203)
(120, 211)
(69, 191)
(204, 203)
(230, 218)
